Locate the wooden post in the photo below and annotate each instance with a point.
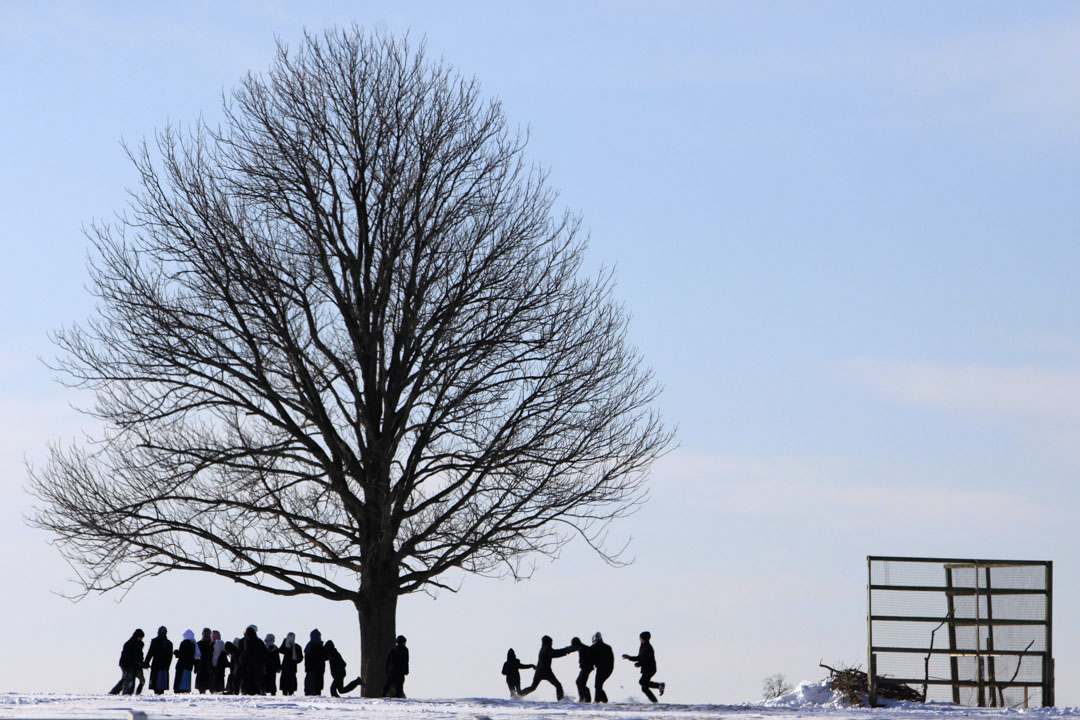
(954, 669)
(871, 679)
(978, 644)
(1048, 659)
(991, 661)
(871, 660)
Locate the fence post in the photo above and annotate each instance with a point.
(871, 679)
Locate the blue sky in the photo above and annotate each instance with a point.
(847, 235)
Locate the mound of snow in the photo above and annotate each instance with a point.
(808, 694)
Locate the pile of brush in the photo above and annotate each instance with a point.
(850, 684)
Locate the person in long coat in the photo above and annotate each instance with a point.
(646, 660)
(159, 657)
(291, 655)
(232, 649)
(131, 660)
(185, 663)
(219, 661)
(204, 661)
(252, 662)
(543, 667)
(605, 665)
(512, 670)
(272, 666)
(586, 663)
(338, 687)
(314, 664)
(397, 667)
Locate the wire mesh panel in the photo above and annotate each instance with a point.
(973, 632)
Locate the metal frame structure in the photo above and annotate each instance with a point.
(982, 620)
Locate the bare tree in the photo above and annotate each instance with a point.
(343, 346)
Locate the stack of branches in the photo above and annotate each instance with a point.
(850, 683)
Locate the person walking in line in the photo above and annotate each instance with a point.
(232, 685)
(272, 666)
(159, 657)
(585, 668)
(131, 660)
(314, 664)
(512, 670)
(219, 661)
(543, 667)
(252, 662)
(397, 667)
(605, 665)
(204, 668)
(338, 687)
(646, 660)
(185, 663)
(291, 655)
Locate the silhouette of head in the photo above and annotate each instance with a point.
(206, 633)
(546, 640)
(269, 639)
(575, 642)
(138, 633)
(597, 638)
(510, 654)
(646, 636)
(161, 631)
(215, 635)
(400, 639)
(329, 644)
(316, 635)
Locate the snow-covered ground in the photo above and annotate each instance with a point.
(809, 700)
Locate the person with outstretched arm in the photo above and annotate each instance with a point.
(543, 667)
(512, 670)
(586, 663)
(646, 660)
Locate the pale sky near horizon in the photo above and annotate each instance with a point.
(844, 231)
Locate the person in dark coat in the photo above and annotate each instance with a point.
(646, 660)
(185, 663)
(232, 650)
(338, 687)
(543, 667)
(585, 668)
(397, 667)
(314, 664)
(252, 662)
(204, 668)
(219, 661)
(605, 665)
(272, 666)
(291, 655)
(131, 660)
(512, 670)
(159, 657)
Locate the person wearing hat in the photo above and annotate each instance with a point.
(605, 664)
(646, 660)
(314, 664)
(397, 667)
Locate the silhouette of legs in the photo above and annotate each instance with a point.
(550, 677)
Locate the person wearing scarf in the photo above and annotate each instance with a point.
(291, 655)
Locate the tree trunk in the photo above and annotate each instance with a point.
(378, 629)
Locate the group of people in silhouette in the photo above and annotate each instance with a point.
(255, 666)
(598, 656)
